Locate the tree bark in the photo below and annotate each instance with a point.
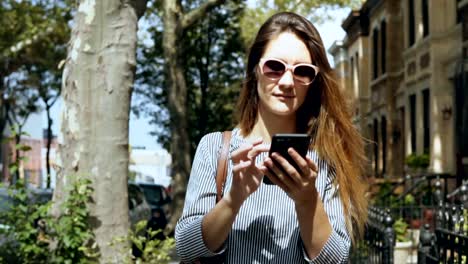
(175, 22)
(97, 84)
(49, 143)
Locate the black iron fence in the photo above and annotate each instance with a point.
(442, 226)
(377, 245)
(448, 241)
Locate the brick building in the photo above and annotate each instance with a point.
(404, 65)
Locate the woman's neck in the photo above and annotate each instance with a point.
(268, 124)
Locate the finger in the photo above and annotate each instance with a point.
(312, 165)
(300, 161)
(279, 173)
(241, 152)
(241, 166)
(274, 179)
(257, 141)
(294, 175)
(255, 151)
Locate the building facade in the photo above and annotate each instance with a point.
(403, 64)
(151, 166)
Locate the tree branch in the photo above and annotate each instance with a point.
(197, 13)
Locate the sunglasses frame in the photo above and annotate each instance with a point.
(287, 68)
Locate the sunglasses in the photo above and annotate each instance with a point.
(304, 73)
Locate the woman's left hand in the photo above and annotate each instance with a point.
(298, 184)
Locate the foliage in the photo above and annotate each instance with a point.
(72, 231)
(29, 40)
(385, 196)
(401, 230)
(418, 161)
(464, 228)
(409, 200)
(213, 70)
(314, 10)
(16, 158)
(36, 237)
(151, 250)
(27, 242)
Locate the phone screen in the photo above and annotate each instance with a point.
(280, 143)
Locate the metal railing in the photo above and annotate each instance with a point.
(443, 226)
(448, 241)
(377, 245)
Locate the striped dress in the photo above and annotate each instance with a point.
(266, 229)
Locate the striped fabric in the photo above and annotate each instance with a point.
(266, 229)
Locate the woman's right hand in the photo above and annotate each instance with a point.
(247, 176)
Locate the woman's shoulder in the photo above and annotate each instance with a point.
(212, 141)
(216, 136)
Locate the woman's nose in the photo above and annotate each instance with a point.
(287, 80)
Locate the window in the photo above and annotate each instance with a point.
(357, 66)
(375, 53)
(352, 73)
(425, 17)
(411, 23)
(412, 102)
(135, 196)
(426, 119)
(383, 29)
(384, 144)
(376, 147)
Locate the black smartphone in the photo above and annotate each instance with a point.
(280, 143)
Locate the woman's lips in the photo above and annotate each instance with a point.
(284, 96)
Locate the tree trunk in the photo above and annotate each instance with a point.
(97, 84)
(175, 22)
(49, 143)
(18, 162)
(180, 147)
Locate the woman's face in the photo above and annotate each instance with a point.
(283, 96)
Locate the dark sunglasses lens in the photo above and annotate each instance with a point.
(305, 74)
(273, 69)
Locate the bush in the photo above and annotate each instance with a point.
(143, 247)
(24, 241)
(36, 237)
(401, 227)
(418, 161)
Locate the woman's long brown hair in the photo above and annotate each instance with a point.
(324, 114)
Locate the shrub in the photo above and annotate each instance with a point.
(401, 227)
(142, 241)
(33, 236)
(418, 161)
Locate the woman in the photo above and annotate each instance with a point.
(309, 215)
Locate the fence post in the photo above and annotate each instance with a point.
(389, 238)
(425, 244)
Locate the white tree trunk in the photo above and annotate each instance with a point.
(97, 82)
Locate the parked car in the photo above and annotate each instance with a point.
(159, 200)
(157, 197)
(138, 207)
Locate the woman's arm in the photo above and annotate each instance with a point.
(246, 179)
(218, 222)
(315, 228)
(204, 225)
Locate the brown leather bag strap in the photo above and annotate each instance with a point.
(221, 173)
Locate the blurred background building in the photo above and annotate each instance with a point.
(403, 64)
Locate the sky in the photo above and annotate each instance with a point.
(140, 128)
